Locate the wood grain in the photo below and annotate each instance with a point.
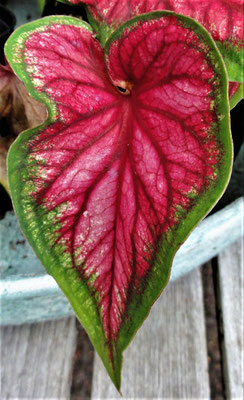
(168, 356)
(37, 359)
(231, 285)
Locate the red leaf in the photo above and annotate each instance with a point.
(117, 171)
(223, 18)
(233, 88)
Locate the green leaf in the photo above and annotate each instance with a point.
(234, 60)
(41, 5)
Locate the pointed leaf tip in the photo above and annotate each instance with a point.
(112, 184)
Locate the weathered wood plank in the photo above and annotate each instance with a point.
(231, 287)
(37, 360)
(168, 356)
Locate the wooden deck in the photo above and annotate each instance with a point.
(168, 359)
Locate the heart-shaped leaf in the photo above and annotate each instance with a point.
(134, 153)
(222, 18)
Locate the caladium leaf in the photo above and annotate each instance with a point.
(135, 151)
(222, 18)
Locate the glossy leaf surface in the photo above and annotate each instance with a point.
(135, 151)
(222, 18)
